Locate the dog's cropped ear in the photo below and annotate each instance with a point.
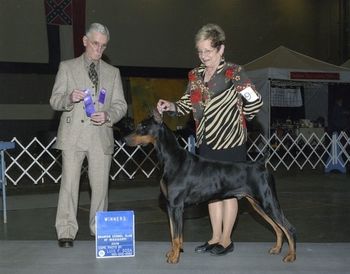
(157, 116)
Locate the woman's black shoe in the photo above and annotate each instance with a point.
(220, 250)
(206, 247)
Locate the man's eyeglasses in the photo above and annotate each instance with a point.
(96, 45)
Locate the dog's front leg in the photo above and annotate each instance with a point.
(176, 221)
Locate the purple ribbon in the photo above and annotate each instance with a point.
(102, 96)
(89, 103)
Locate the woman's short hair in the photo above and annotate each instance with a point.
(97, 27)
(211, 32)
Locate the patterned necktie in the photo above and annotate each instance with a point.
(93, 75)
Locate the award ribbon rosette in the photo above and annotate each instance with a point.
(101, 99)
(102, 96)
(88, 103)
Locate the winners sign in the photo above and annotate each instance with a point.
(115, 234)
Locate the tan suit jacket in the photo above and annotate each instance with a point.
(72, 75)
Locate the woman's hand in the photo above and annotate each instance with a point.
(164, 105)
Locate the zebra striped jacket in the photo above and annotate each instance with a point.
(219, 110)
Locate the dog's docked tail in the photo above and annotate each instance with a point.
(264, 159)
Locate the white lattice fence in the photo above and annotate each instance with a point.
(36, 162)
(298, 151)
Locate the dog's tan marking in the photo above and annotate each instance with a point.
(279, 230)
(163, 188)
(173, 255)
(134, 140)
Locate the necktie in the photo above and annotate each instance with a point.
(93, 75)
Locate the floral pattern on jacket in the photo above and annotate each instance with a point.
(218, 108)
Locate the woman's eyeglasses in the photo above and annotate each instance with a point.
(205, 52)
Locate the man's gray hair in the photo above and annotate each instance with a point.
(97, 27)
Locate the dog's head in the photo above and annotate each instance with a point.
(146, 131)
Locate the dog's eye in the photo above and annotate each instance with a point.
(140, 128)
(143, 128)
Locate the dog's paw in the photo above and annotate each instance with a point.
(173, 257)
(169, 253)
(275, 250)
(290, 258)
(173, 260)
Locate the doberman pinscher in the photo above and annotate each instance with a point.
(190, 179)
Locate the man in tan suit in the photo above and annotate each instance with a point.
(81, 84)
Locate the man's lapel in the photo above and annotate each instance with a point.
(79, 73)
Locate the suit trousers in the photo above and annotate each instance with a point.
(98, 172)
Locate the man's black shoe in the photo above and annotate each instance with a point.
(65, 242)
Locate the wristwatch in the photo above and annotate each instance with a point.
(108, 119)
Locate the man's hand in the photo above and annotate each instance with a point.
(99, 118)
(77, 95)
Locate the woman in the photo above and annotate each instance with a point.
(221, 98)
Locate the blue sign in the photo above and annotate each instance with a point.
(115, 234)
